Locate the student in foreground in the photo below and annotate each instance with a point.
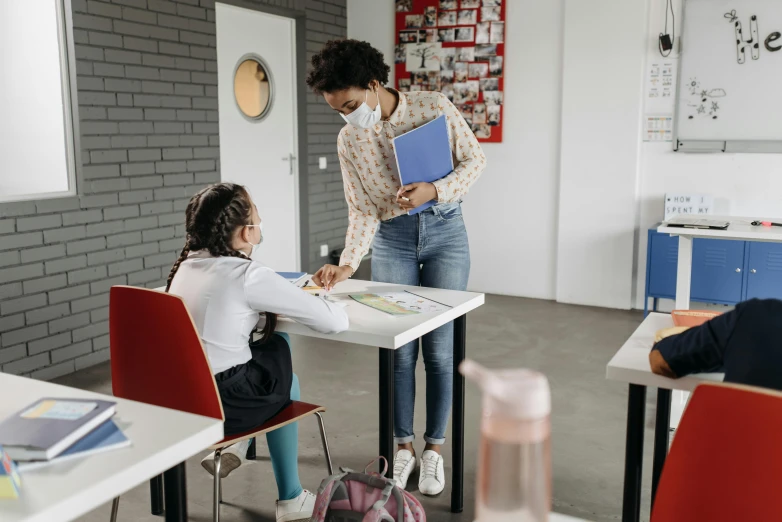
(228, 294)
(427, 249)
(745, 343)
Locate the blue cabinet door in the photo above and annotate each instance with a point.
(717, 267)
(764, 279)
(662, 258)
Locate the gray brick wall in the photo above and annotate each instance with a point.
(147, 92)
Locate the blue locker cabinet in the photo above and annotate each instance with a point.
(723, 272)
(764, 271)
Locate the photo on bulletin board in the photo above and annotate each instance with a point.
(456, 47)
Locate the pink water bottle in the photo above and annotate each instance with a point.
(514, 462)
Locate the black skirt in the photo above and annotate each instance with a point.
(254, 392)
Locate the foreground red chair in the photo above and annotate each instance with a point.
(157, 358)
(725, 463)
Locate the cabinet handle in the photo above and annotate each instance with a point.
(754, 271)
(738, 270)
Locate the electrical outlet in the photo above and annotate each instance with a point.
(322, 163)
(324, 250)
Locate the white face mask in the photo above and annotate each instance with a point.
(364, 117)
(257, 246)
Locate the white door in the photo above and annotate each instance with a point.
(259, 152)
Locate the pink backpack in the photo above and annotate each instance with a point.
(365, 497)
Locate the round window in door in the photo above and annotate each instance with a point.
(253, 89)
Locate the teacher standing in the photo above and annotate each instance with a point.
(428, 249)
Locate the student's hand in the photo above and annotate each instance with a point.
(659, 366)
(330, 275)
(416, 194)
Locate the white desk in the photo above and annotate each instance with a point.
(631, 365)
(556, 517)
(631, 362)
(161, 439)
(373, 328)
(740, 229)
(376, 329)
(370, 327)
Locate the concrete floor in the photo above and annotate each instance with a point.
(570, 344)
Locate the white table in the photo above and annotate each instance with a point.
(370, 327)
(162, 440)
(556, 517)
(741, 229)
(631, 365)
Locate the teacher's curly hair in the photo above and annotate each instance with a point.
(343, 64)
(212, 217)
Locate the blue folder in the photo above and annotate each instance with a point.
(424, 155)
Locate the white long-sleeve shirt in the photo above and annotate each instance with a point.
(226, 296)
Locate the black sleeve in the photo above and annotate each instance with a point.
(700, 349)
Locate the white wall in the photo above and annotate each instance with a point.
(373, 21)
(32, 118)
(564, 205)
(742, 184)
(511, 213)
(603, 73)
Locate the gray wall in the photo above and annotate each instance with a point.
(147, 92)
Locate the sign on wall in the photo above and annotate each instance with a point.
(692, 204)
(456, 47)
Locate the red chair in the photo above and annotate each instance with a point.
(725, 463)
(157, 358)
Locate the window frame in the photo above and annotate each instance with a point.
(70, 104)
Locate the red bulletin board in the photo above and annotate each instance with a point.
(456, 47)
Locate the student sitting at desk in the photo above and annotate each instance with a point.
(745, 343)
(228, 293)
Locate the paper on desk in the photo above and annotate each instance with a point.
(400, 303)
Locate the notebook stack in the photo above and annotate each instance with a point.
(55, 430)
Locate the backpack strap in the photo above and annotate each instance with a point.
(379, 459)
(388, 487)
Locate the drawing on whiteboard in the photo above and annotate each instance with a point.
(694, 85)
(702, 107)
(753, 41)
(731, 16)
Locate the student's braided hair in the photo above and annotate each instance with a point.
(212, 217)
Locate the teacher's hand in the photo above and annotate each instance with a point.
(330, 275)
(416, 194)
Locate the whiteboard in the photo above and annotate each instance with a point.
(730, 78)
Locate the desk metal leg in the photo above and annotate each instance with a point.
(457, 428)
(386, 394)
(634, 453)
(156, 495)
(251, 450)
(175, 488)
(661, 436)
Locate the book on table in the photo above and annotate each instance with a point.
(105, 437)
(49, 426)
(293, 277)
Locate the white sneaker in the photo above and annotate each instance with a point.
(299, 508)
(431, 481)
(232, 457)
(404, 465)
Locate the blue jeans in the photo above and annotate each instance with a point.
(428, 249)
